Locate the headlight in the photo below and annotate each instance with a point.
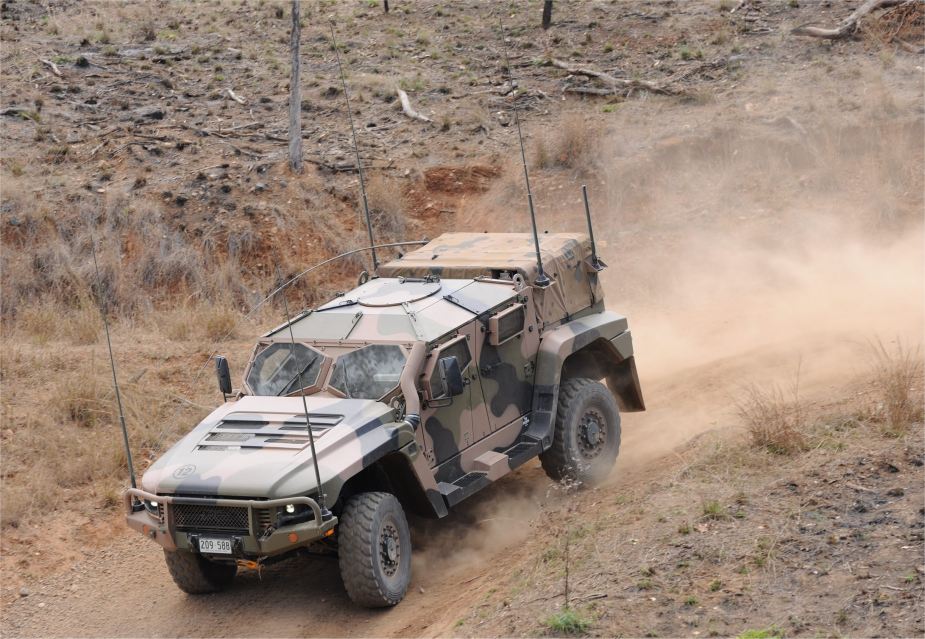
(290, 508)
(153, 508)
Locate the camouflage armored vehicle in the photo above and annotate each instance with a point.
(420, 387)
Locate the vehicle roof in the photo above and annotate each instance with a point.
(472, 254)
(397, 309)
(566, 260)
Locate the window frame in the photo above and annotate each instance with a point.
(264, 344)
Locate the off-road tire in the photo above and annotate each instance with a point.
(571, 457)
(367, 522)
(196, 575)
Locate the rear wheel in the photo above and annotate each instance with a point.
(587, 436)
(196, 575)
(374, 549)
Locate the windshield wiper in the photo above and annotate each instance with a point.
(297, 376)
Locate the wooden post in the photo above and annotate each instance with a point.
(385, 5)
(295, 95)
(547, 14)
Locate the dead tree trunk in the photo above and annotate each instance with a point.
(547, 14)
(295, 94)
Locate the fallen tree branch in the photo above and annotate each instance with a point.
(587, 90)
(615, 83)
(410, 112)
(234, 96)
(849, 25)
(51, 65)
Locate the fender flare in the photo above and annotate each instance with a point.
(606, 339)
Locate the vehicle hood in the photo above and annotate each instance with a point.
(259, 447)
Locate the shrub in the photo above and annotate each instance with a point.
(572, 146)
(386, 207)
(774, 421)
(218, 323)
(567, 622)
(896, 375)
(714, 510)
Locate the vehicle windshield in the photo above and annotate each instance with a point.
(277, 368)
(370, 372)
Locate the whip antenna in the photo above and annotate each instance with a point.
(356, 151)
(541, 278)
(595, 260)
(112, 363)
(308, 425)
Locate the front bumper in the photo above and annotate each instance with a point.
(252, 543)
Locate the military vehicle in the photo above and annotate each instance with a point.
(411, 392)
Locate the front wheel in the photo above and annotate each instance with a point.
(587, 436)
(196, 575)
(374, 549)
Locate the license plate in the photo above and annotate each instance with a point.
(215, 545)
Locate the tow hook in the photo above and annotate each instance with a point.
(247, 564)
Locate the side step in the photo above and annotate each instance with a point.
(463, 487)
(522, 452)
(490, 466)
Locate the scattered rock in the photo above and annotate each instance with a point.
(148, 113)
(23, 592)
(260, 186)
(896, 492)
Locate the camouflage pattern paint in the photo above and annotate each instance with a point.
(466, 294)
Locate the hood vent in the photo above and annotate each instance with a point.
(263, 430)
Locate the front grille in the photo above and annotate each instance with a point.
(264, 518)
(223, 518)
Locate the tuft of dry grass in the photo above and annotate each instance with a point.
(573, 145)
(897, 379)
(386, 206)
(218, 322)
(82, 400)
(775, 420)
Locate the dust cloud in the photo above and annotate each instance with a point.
(744, 255)
(790, 257)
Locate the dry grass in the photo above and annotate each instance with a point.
(775, 420)
(897, 379)
(386, 207)
(573, 145)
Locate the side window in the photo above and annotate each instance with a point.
(459, 348)
(506, 325)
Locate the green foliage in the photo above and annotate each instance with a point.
(567, 622)
(712, 509)
(766, 633)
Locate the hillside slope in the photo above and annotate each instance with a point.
(762, 225)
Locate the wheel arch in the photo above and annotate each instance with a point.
(597, 346)
(394, 473)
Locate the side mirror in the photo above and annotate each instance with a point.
(451, 376)
(224, 375)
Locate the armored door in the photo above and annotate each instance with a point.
(506, 356)
(449, 423)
